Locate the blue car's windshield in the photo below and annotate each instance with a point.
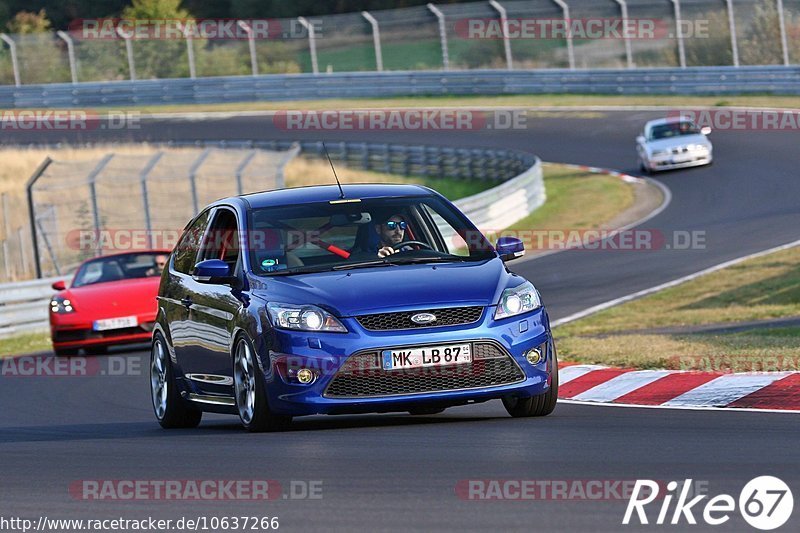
(361, 233)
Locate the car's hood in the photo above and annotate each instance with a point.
(115, 298)
(672, 142)
(392, 288)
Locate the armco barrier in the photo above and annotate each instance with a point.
(23, 305)
(660, 81)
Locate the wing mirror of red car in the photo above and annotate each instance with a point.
(59, 285)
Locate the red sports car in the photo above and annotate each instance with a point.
(111, 300)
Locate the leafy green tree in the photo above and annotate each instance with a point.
(26, 22)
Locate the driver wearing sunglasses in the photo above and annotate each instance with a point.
(391, 232)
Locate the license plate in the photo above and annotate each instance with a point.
(453, 354)
(115, 323)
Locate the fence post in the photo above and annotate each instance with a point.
(128, 51)
(784, 43)
(442, 35)
(376, 39)
(251, 43)
(193, 177)
(6, 236)
(565, 15)
(145, 197)
(623, 5)
(23, 255)
(676, 4)
(32, 212)
(734, 38)
(312, 43)
(504, 24)
(12, 47)
(92, 191)
(240, 170)
(73, 69)
(189, 51)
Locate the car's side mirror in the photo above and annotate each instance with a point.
(59, 285)
(705, 130)
(640, 139)
(214, 271)
(509, 248)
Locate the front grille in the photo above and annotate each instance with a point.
(452, 316)
(68, 335)
(362, 376)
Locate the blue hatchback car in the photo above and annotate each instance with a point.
(321, 300)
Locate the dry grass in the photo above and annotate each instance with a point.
(759, 289)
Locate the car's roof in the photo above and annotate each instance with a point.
(325, 193)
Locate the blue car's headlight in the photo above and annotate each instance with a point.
(519, 300)
(303, 318)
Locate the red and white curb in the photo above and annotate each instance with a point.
(778, 391)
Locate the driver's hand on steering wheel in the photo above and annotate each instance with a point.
(386, 250)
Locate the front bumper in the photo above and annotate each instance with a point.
(71, 331)
(325, 354)
(670, 162)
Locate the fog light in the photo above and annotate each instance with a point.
(534, 356)
(305, 376)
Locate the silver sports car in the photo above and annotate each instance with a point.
(675, 142)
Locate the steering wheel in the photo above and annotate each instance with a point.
(400, 245)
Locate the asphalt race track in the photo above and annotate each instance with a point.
(400, 472)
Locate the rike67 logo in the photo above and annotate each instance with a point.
(765, 503)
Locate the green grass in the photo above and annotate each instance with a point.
(764, 288)
(576, 200)
(522, 101)
(25, 344)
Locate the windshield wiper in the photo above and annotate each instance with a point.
(363, 264)
(413, 260)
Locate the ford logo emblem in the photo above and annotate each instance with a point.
(423, 318)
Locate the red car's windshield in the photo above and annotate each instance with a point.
(119, 267)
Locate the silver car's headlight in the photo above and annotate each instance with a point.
(657, 153)
(303, 318)
(519, 300)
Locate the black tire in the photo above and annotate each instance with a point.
(175, 412)
(65, 352)
(421, 411)
(541, 405)
(261, 418)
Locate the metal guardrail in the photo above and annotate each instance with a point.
(23, 305)
(403, 159)
(679, 81)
